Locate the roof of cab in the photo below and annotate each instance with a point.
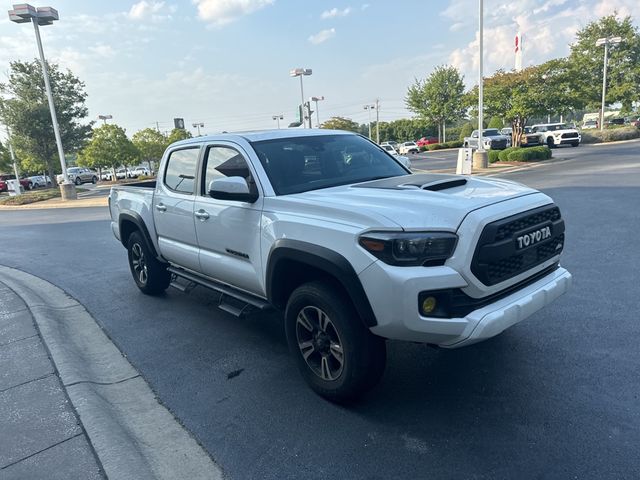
(258, 135)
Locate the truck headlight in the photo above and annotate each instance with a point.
(410, 249)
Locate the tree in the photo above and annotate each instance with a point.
(466, 130)
(496, 122)
(5, 159)
(24, 108)
(514, 96)
(623, 73)
(438, 98)
(109, 147)
(151, 145)
(178, 134)
(341, 123)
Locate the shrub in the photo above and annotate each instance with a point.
(503, 154)
(493, 156)
(518, 154)
(453, 144)
(422, 148)
(610, 135)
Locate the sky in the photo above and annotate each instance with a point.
(226, 63)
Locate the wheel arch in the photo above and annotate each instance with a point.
(130, 222)
(292, 263)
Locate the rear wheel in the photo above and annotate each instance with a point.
(150, 275)
(336, 354)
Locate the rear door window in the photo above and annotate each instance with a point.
(180, 174)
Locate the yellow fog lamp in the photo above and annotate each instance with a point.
(428, 305)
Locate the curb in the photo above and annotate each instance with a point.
(80, 203)
(617, 142)
(133, 435)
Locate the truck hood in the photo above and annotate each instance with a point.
(434, 201)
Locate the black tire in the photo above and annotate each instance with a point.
(363, 354)
(94, 180)
(150, 275)
(575, 144)
(78, 181)
(550, 142)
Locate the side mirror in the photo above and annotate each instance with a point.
(231, 188)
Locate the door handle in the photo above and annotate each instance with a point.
(201, 215)
(161, 208)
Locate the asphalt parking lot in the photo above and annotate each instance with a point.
(556, 396)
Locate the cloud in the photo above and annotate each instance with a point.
(222, 12)
(334, 12)
(144, 9)
(102, 50)
(322, 36)
(548, 28)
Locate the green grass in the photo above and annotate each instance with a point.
(34, 196)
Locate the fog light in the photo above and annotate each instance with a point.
(428, 305)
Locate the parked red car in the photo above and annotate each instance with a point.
(25, 182)
(426, 141)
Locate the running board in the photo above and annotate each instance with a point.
(245, 299)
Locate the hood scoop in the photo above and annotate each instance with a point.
(433, 182)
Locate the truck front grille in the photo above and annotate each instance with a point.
(570, 135)
(513, 245)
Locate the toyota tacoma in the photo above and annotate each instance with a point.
(329, 228)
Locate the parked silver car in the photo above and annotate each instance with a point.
(79, 175)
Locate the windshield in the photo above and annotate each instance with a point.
(300, 164)
(491, 132)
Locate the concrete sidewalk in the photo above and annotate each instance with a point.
(40, 434)
(71, 404)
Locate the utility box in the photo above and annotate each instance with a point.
(465, 160)
(14, 187)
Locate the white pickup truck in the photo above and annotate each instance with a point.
(328, 227)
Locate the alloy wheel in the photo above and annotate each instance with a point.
(319, 343)
(139, 263)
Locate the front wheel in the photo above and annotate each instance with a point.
(575, 144)
(150, 275)
(550, 142)
(94, 180)
(78, 181)
(336, 354)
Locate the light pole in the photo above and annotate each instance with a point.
(480, 157)
(369, 108)
(15, 164)
(301, 72)
(198, 125)
(25, 13)
(277, 118)
(606, 41)
(104, 118)
(317, 99)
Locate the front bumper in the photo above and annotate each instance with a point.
(399, 319)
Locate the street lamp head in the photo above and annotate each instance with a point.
(105, 117)
(23, 13)
(317, 99)
(296, 72)
(608, 40)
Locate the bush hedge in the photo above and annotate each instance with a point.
(520, 154)
(493, 156)
(440, 146)
(610, 134)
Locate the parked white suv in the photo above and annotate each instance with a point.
(554, 134)
(328, 228)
